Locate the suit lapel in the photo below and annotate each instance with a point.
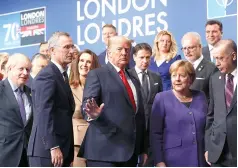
(221, 84)
(200, 66)
(152, 87)
(11, 97)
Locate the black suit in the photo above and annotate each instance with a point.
(203, 73)
(206, 53)
(14, 134)
(221, 123)
(118, 134)
(53, 110)
(155, 87)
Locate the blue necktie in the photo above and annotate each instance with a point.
(21, 104)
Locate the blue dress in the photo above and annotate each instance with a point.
(163, 70)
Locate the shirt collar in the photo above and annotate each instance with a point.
(210, 47)
(197, 62)
(13, 86)
(59, 66)
(138, 71)
(234, 73)
(117, 69)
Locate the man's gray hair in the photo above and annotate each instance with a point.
(193, 34)
(55, 38)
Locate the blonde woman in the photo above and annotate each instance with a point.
(83, 63)
(164, 54)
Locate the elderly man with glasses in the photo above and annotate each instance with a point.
(192, 49)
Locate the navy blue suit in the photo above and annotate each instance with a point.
(53, 105)
(119, 132)
(101, 58)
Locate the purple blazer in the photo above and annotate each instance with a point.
(177, 132)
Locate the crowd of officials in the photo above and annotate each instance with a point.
(129, 106)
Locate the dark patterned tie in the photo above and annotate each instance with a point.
(145, 84)
(20, 101)
(229, 90)
(66, 78)
(128, 88)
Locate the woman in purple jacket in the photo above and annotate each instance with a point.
(178, 121)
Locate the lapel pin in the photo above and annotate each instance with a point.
(219, 77)
(167, 61)
(199, 69)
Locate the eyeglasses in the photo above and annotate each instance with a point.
(188, 48)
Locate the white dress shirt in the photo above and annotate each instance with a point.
(210, 49)
(139, 73)
(197, 62)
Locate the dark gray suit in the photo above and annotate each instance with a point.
(206, 53)
(155, 87)
(221, 123)
(14, 134)
(203, 72)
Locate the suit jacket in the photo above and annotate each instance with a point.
(155, 87)
(203, 73)
(14, 135)
(177, 132)
(119, 131)
(206, 53)
(221, 124)
(101, 58)
(80, 126)
(53, 105)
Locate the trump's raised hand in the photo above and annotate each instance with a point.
(92, 109)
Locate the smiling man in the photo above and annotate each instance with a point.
(51, 142)
(213, 35)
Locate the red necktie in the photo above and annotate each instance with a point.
(229, 90)
(128, 88)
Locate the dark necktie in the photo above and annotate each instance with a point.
(66, 78)
(145, 84)
(229, 90)
(20, 101)
(128, 88)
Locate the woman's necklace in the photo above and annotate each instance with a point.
(183, 98)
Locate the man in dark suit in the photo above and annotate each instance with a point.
(221, 123)
(151, 84)
(191, 46)
(109, 31)
(51, 141)
(213, 35)
(38, 61)
(15, 113)
(113, 105)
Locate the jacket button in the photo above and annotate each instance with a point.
(190, 113)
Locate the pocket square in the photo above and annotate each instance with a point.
(156, 83)
(200, 78)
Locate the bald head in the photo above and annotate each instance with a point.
(225, 53)
(119, 51)
(18, 69)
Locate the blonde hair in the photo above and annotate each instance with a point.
(188, 68)
(173, 48)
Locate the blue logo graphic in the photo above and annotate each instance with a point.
(221, 8)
